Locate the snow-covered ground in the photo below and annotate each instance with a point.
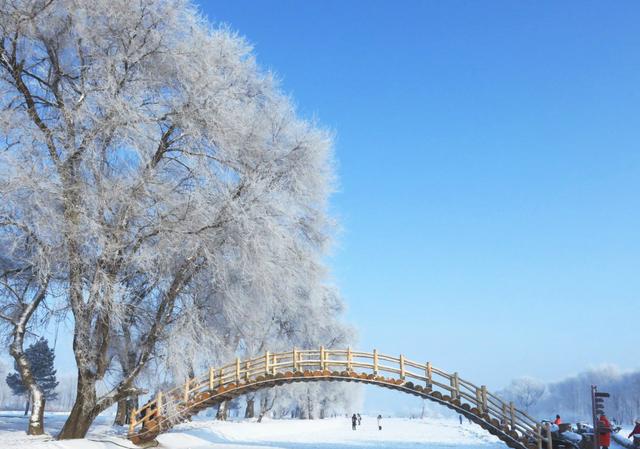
(332, 434)
(13, 426)
(204, 433)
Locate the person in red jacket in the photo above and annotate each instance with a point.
(557, 421)
(604, 432)
(636, 429)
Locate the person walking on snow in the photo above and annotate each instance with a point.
(354, 421)
(604, 432)
(359, 419)
(379, 422)
(557, 421)
(460, 416)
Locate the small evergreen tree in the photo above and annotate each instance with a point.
(41, 358)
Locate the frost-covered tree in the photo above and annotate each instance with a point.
(525, 392)
(313, 400)
(66, 391)
(571, 397)
(165, 170)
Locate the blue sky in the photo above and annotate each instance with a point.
(489, 172)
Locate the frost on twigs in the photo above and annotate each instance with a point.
(157, 177)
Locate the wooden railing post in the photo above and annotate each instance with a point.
(186, 390)
(479, 400)
(159, 403)
(212, 373)
(485, 401)
(237, 370)
(294, 358)
(539, 436)
(267, 358)
(454, 386)
(375, 362)
(247, 366)
(549, 439)
(504, 422)
(429, 374)
(274, 368)
(132, 422)
(349, 360)
(220, 376)
(402, 367)
(512, 413)
(322, 359)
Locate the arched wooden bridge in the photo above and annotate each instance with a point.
(514, 427)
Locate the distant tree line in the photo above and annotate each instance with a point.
(571, 397)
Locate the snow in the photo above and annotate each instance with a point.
(13, 433)
(205, 433)
(334, 433)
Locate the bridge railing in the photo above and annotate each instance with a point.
(170, 405)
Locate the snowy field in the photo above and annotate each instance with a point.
(205, 433)
(335, 433)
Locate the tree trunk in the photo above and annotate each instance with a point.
(221, 415)
(249, 411)
(16, 349)
(263, 406)
(303, 412)
(78, 423)
(36, 421)
(121, 413)
(88, 406)
(83, 412)
(309, 407)
(27, 403)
